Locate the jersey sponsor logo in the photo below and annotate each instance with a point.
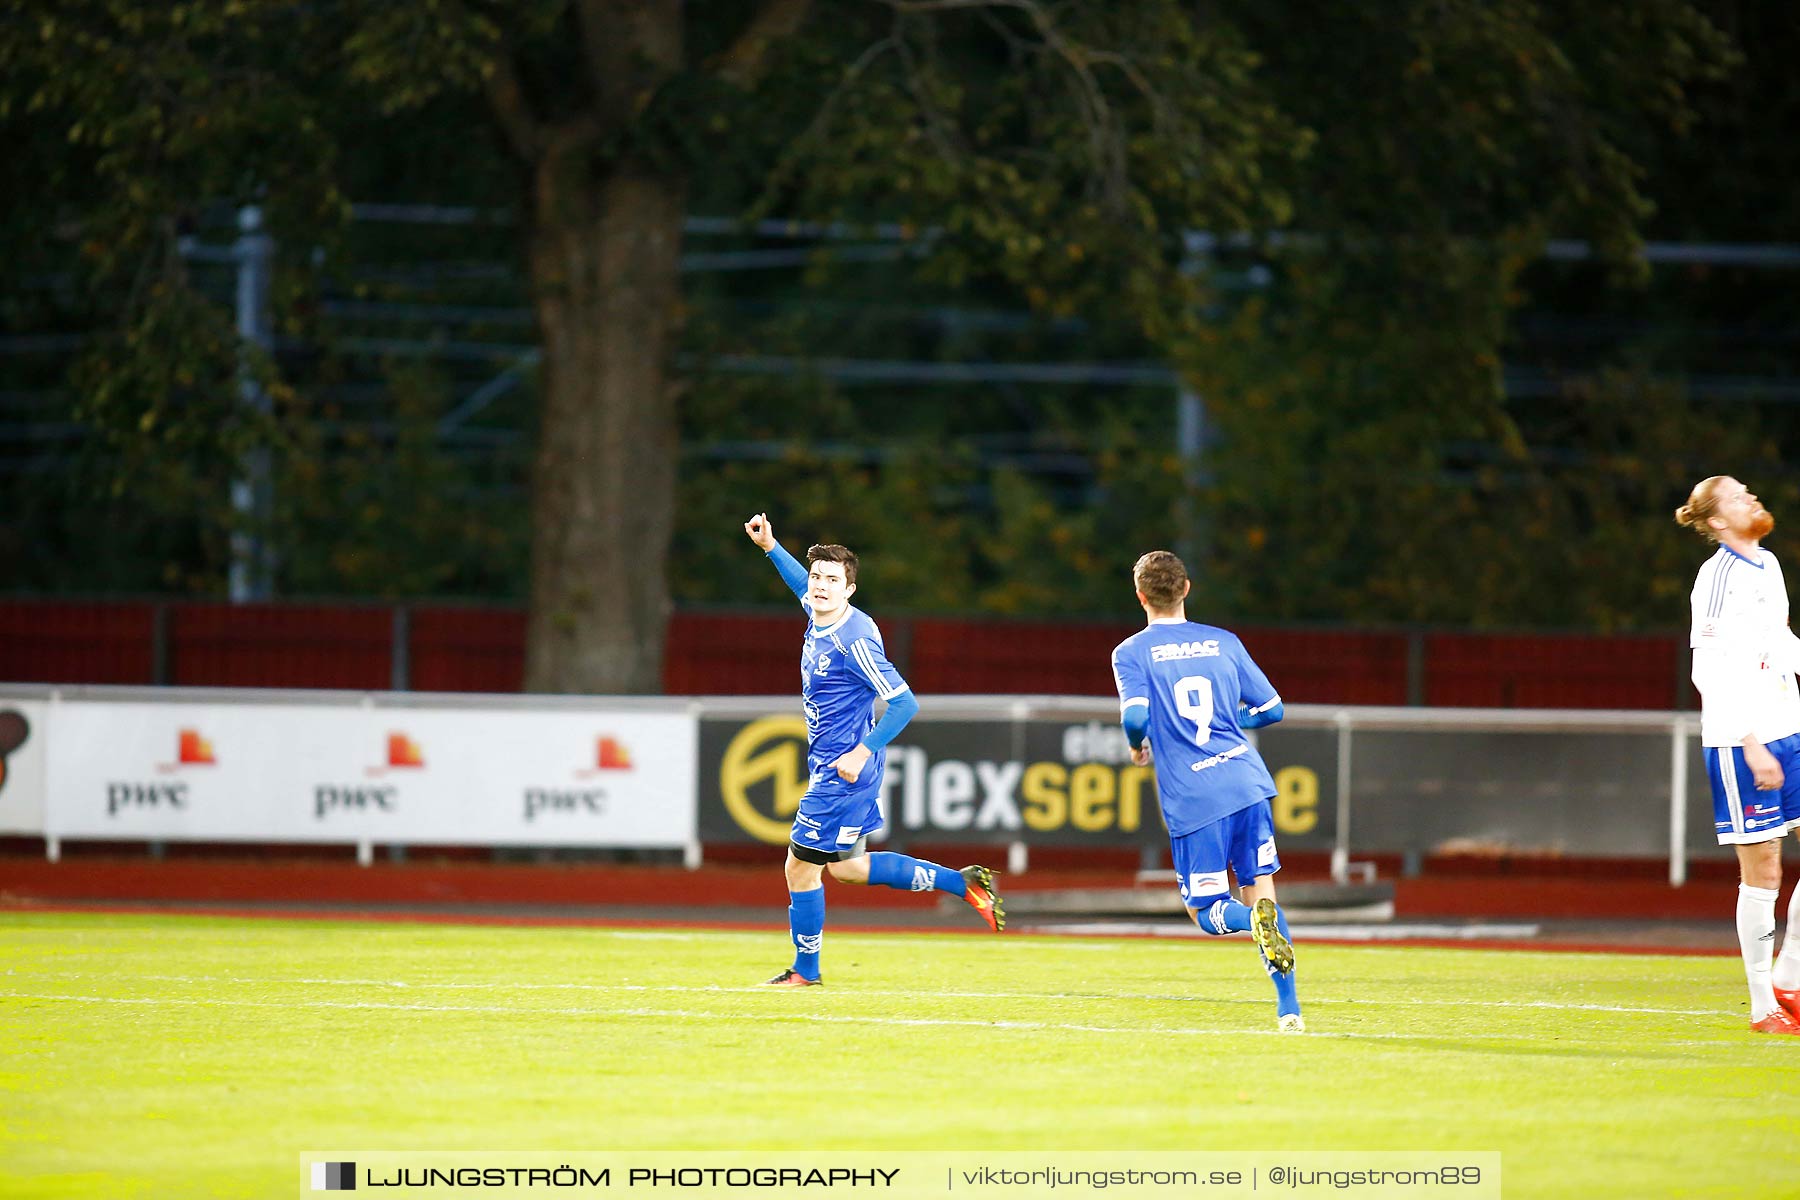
(1175, 650)
(1214, 760)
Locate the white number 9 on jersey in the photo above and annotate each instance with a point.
(1194, 700)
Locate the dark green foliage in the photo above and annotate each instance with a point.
(1378, 183)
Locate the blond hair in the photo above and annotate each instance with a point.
(1701, 504)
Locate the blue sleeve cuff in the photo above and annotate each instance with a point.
(1136, 719)
(1256, 718)
(900, 710)
(790, 570)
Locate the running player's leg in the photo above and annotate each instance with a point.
(1254, 861)
(806, 920)
(1200, 876)
(817, 839)
(904, 873)
(974, 884)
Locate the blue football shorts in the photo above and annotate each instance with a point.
(836, 817)
(1743, 815)
(1244, 841)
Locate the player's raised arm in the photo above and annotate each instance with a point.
(761, 532)
(792, 573)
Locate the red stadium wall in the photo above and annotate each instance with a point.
(302, 646)
(43, 642)
(466, 650)
(473, 649)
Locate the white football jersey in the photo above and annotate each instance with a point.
(1744, 654)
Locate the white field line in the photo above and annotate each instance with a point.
(1181, 939)
(720, 990)
(810, 1018)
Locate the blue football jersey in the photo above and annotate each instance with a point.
(1193, 676)
(843, 670)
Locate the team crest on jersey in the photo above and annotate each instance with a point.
(821, 664)
(1175, 650)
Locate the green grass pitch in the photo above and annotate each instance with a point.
(189, 1056)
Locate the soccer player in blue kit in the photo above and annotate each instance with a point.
(843, 670)
(1189, 691)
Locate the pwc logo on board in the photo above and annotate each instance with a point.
(334, 800)
(403, 754)
(192, 749)
(610, 754)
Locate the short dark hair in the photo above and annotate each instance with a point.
(836, 554)
(1160, 576)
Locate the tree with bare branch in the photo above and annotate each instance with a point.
(1065, 150)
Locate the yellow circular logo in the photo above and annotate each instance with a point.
(773, 749)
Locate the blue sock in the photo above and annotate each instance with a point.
(1287, 998)
(915, 875)
(806, 920)
(1226, 916)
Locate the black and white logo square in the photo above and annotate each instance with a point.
(334, 1177)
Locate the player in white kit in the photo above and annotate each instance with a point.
(1745, 663)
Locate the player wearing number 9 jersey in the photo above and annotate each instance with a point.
(1187, 693)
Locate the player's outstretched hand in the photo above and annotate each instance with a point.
(760, 531)
(1141, 756)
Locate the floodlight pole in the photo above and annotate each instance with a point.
(1190, 442)
(252, 492)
